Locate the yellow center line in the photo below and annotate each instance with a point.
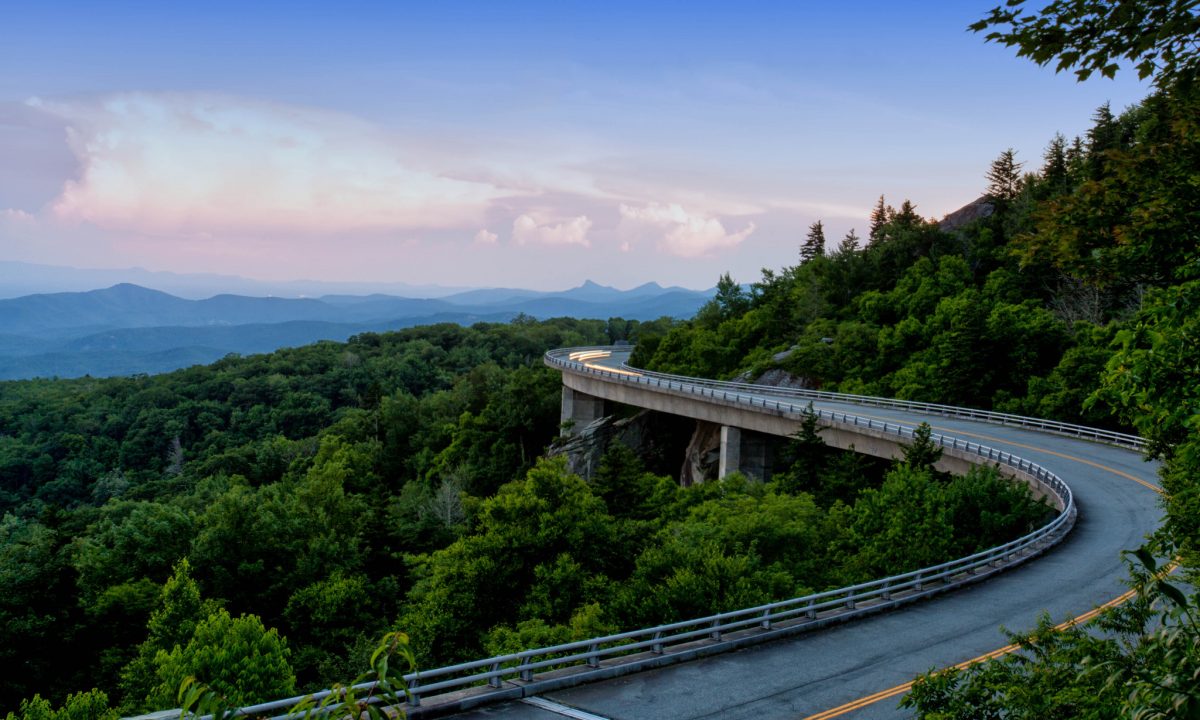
(1092, 463)
(1065, 456)
(905, 687)
(1085, 617)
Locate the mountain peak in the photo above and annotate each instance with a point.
(131, 290)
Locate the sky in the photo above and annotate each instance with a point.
(528, 144)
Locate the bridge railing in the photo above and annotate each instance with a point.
(561, 359)
(511, 675)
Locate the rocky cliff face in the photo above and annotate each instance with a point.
(654, 437)
(702, 457)
(967, 214)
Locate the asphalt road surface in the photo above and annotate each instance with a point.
(836, 672)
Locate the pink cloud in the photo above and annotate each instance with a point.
(571, 232)
(196, 162)
(682, 232)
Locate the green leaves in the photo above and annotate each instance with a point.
(384, 692)
(1090, 36)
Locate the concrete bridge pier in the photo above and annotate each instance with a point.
(580, 409)
(744, 451)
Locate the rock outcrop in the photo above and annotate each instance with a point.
(651, 436)
(967, 214)
(702, 457)
(778, 377)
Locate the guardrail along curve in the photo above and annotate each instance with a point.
(516, 675)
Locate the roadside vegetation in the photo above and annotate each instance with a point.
(262, 521)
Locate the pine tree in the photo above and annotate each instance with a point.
(1004, 177)
(879, 218)
(1103, 135)
(1054, 167)
(907, 215)
(923, 452)
(814, 243)
(849, 244)
(1075, 156)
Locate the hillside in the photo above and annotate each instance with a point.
(127, 329)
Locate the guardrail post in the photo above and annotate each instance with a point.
(526, 671)
(494, 680)
(414, 695)
(716, 632)
(766, 621)
(849, 603)
(811, 612)
(593, 659)
(919, 584)
(887, 592)
(657, 647)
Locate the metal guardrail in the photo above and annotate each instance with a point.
(988, 416)
(646, 647)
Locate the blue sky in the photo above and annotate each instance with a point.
(487, 143)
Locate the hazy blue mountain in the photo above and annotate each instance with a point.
(131, 329)
(490, 296)
(19, 278)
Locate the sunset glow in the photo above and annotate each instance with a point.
(463, 143)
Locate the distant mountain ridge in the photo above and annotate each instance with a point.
(127, 328)
(18, 279)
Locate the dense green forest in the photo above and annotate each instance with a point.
(262, 521)
(1077, 298)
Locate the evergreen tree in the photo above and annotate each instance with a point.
(907, 215)
(1103, 136)
(814, 243)
(923, 452)
(849, 244)
(879, 218)
(1075, 154)
(1004, 177)
(1054, 166)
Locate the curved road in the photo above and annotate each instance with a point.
(857, 670)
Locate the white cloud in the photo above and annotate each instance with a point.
(164, 162)
(526, 229)
(486, 237)
(682, 233)
(14, 215)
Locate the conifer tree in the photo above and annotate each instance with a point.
(1004, 177)
(907, 215)
(1054, 166)
(814, 243)
(1075, 156)
(879, 217)
(923, 452)
(849, 244)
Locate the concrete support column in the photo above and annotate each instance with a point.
(743, 451)
(581, 409)
(731, 451)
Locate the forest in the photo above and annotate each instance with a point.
(1076, 298)
(262, 521)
